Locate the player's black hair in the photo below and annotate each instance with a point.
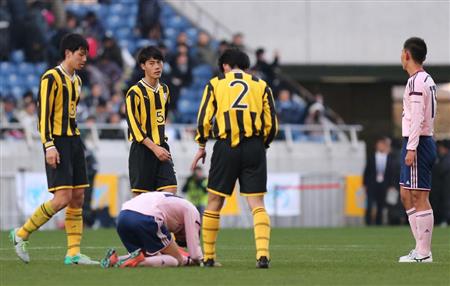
(417, 48)
(72, 42)
(235, 58)
(150, 52)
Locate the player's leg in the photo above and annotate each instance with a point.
(422, 166)
(425, 221)
(261, 228)
(41, 215)
(253, 182)
(74, 211)
(222, 178)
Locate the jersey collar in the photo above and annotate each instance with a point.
(153, 88)
(72, 78)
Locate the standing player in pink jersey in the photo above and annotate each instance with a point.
(418, 150)
(144, 226)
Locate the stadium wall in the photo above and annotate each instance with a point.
(324, 32)
(321, 169)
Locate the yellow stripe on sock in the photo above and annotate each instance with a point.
(74, 230)
(210, 228)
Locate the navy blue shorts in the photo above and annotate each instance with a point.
(418, 175)
(142, 231)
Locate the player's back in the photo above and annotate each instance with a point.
(240, 103)
(419, 100)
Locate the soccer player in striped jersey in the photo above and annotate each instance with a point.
(150, 163)
(58, 97)
(242, 109)
(419, 148)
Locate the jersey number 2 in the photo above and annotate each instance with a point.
(237, 103)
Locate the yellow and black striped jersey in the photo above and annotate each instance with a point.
(242, 106)
(146, 111)
(58, 98)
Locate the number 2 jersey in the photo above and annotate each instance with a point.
(242, 106)
(146, 111)
(419, 108)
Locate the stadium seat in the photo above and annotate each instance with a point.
(17, 91)
(202, 71)
(40, 68)
(6, 68)
(25, 69)
(17, 56)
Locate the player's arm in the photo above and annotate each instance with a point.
(417, 100)
(131, 104)
(207, 111)
(47, 91)
(270, 117)
(192, 229)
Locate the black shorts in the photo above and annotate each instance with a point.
(70, 173)
(147, 172)
(246, 162)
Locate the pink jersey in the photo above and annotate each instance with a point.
(419, 108)
(179, 215)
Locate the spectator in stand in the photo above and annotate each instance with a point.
(265, 70)
(237, 41)
(28, 119)
(440, 195)
(148, 19)
(181, 76)
(92, 27)
(288, 110)
(182, 39)
(205, 53)
(111, 71)
(112, 51)
(9, 115)
(101, 111)
(378, 178)
(116, 133)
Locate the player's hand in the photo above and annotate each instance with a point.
(161, 153)
(201, 154)
(410, 156)
(52, 157)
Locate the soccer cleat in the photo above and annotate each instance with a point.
(210, 263)
(409, 257)
(110, 259)
(262, 262)
(20, 245)
(79, 259)
(423, 259)
(132, 260)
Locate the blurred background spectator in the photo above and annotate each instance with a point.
(440, 191)
(377, 178)
(195, 189)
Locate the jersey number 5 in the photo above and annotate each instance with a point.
(237, 103)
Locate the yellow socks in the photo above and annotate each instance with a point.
(261, 226)
(210, 228)
(40, 216)
(74, 230)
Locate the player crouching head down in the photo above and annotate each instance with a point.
(145, 225)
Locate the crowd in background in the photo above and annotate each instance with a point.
(112, 68)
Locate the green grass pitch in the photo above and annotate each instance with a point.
(303, 256)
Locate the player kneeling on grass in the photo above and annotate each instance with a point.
(144, 226)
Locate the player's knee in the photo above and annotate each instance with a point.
(77, 198)
(215, 202)
(61, 199)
